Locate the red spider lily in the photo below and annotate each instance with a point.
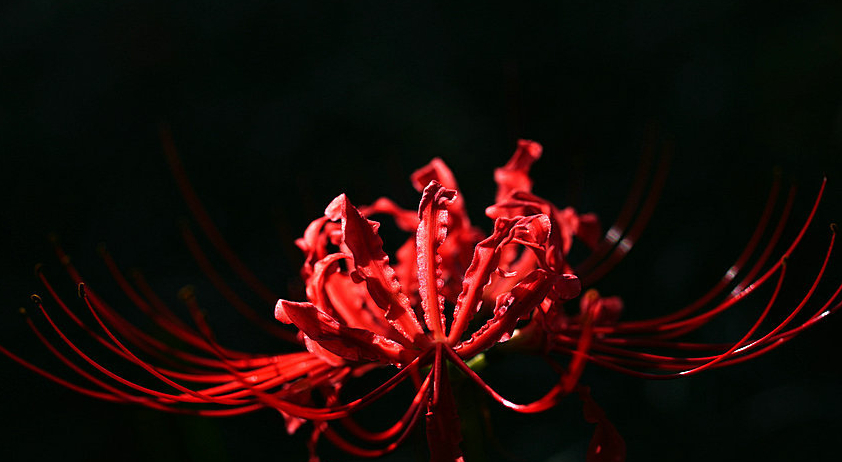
(367, 311)
(361, 314)
(450, 294)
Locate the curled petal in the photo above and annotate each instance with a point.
(566, 224)
(322, 269)
(515, 305)
(328, 357)
(348, 342)
(530, 231)
(456, 250)
(334, 293)
(371, 265)
(484, 263)
(438, 171)
(314, 244)
(432, 229)
(514, 176)
(406, 269)
(407, 220)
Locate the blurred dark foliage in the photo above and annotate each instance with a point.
(277, 107)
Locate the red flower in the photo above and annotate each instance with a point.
(360, 310)
(449, 294)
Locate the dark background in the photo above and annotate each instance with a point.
(277, 108)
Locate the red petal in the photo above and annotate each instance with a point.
(486, 257)
(354, 306)
(406, 269)
(456, 251)
(567, 223)
(334, 293)
(432, 229)
(562, 224)
(407, 220)
(514, 176)
(529, 231)
(371, 265)
(438, 171)
(511, 307)
(348, 342)
(328, 357)
(315, 284)
(314, 244)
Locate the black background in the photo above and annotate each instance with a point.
(277, 108)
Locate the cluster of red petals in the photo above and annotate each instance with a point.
(448, 294)
(363, 308)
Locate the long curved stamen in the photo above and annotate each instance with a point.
(545, 402)
(654, 361)
(630, 205)
(152, 370)
(148, 401)
(206, 223)
(625, 244)
(806, 298)
(748, 334)
(343, 444)
(741, 260)
(116, 393)
(139, 338)
(228, 293)
(333, 412)
(173, 325)
(54, 378)
(696, 321)
(401, 425)
(194, 396)
(773, 242)
(737, 352)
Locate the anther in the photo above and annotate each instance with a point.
(36, 298)
(80, 290)
(100, 249)
(833, 228)
(22, 311)
(39, 268)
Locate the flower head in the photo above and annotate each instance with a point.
(449, 293)
(359, 309)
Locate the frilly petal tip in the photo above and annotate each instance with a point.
(336, 208)
(280, 312)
